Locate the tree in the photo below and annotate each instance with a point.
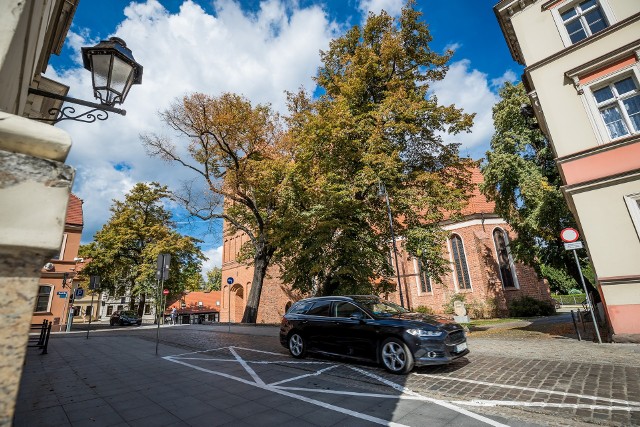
(376, 125)
(239, 156)
(214, 279)
(124, 251)
(521, 177)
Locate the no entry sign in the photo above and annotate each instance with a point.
(569, 235)
(166, 291)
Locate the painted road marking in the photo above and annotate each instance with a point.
(315, 374)
(536, 390)
(258, 382)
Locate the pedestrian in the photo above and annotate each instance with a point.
(174, 315)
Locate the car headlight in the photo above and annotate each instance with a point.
(422, 333)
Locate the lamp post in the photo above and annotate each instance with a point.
(383, 191)
(113, 72)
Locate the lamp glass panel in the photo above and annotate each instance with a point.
(120, 76)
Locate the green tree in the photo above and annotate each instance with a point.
(239, 155)
(376, 125)
(521, 177)
(214, 279)
(124, 251)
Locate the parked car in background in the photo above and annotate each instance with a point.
(125, 318)
(368, 328)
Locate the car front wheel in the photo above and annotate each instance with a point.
(396, 356)
(297, 346)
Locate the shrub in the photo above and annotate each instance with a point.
(423, 309)
(529, 307)
(575, 291)
(483, 309)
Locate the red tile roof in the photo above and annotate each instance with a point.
(478, 203)
(74, 211)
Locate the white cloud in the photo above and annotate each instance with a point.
(392, 7)
(258, 55)
(508, 76)
(469, 89)
(214, 259)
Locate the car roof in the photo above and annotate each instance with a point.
(356, 298)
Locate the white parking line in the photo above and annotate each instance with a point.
(258, 382)
(315, 374)
(544, 404)
(535, 390)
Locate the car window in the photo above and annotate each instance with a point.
(320, 308)
(300, 307)
(128, 313)
(346, 309)
(382, 307)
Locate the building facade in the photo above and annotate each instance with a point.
(583, 77)
(54, 300)
(34, 181)
(196, 307)
(483, 272)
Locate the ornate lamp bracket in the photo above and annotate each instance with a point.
(97, 111)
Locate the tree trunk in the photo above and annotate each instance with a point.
(141, 305)
(260, 264)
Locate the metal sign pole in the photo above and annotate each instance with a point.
(90, 315)
(584, 286)
(162, 273)
(158, 315)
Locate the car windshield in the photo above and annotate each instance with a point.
(381, 307)
(127, 313)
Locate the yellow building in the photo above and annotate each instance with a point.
(583, 77)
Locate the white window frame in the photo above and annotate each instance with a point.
(633, 204)
(453, 265)
(64, 246)
(561, 8)
(418, 275)
(48, 310)
(512, 264)
(632, 71)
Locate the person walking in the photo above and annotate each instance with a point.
(174, 315)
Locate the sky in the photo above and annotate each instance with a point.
(256, 48)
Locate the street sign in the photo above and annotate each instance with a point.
(162, 269)
(569, 235)
(230, 280)
(62, 294)
(165, 291)
(94, 282)
(573, 245)
(79, 293)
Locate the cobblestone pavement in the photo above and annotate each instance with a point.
(523, 379)
(552, 380)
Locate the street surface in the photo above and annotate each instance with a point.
(238, 375)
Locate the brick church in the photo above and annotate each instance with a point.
(483, 272)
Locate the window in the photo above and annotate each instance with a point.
(320, 308)
(460, 263)
(619, 105)
(300, 307)
(346, 309)
(109, 310)
(147, 309)
(43, 299)
(120, 307)
(505, 260)
(582, 20)
(633, 203)
(423, 277)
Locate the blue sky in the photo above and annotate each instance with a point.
(255, 48)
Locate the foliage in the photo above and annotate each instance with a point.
(124, 251)
(521, 177)
(240, 157)
(375, 124)
(486, 309)
(529, 307)
(423, 309)
(559, 281)
(575, 292)
(214, 279)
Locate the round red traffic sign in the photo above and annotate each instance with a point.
(569, 235)
(166, 291)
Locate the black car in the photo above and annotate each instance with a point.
(369, 328)
(125, 318)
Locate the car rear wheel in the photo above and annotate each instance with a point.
(297, 346)
(396, 356)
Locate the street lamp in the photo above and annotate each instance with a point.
(113, 72)
(382, 191)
